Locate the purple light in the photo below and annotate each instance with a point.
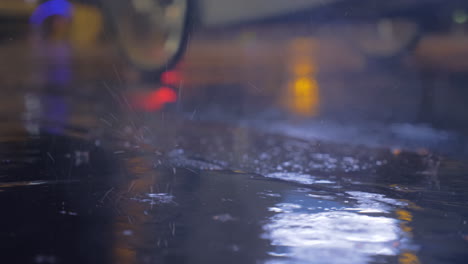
(50, 8)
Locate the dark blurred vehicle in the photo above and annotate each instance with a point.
(151, 34)
(380, 30)
(397, 26)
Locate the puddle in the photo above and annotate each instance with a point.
(331, 237)
(155, 198)
(299, 178)
(311, 228)
(177, 207)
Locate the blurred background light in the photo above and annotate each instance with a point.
(50, 8)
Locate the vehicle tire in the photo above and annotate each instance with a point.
(131, 29)
(387, 40)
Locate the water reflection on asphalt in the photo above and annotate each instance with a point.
(85, 181)
(179, 205)
(173, 190)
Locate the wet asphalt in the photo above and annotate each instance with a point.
(238, 170)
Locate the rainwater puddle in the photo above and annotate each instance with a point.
(356, 227)
(196, 213)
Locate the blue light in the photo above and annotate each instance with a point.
(50, 8)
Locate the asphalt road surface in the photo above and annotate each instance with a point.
(274, 150)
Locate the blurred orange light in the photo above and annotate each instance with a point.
(404, 215)
(408, 258)
(302, 95)
(303, 69)
(305, 96)
(407, 229)
(396, 151)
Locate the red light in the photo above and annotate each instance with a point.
(155, 100)
(170, 77)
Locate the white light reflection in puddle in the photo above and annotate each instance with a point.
(373, 202)
(343, 235)
(155, 198)
(297, 177)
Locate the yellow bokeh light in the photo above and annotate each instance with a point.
(404, 215)
(302, 90)
(396, 151)
(87, 24)
(408, 258)
(407, 229)
(304, 96)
